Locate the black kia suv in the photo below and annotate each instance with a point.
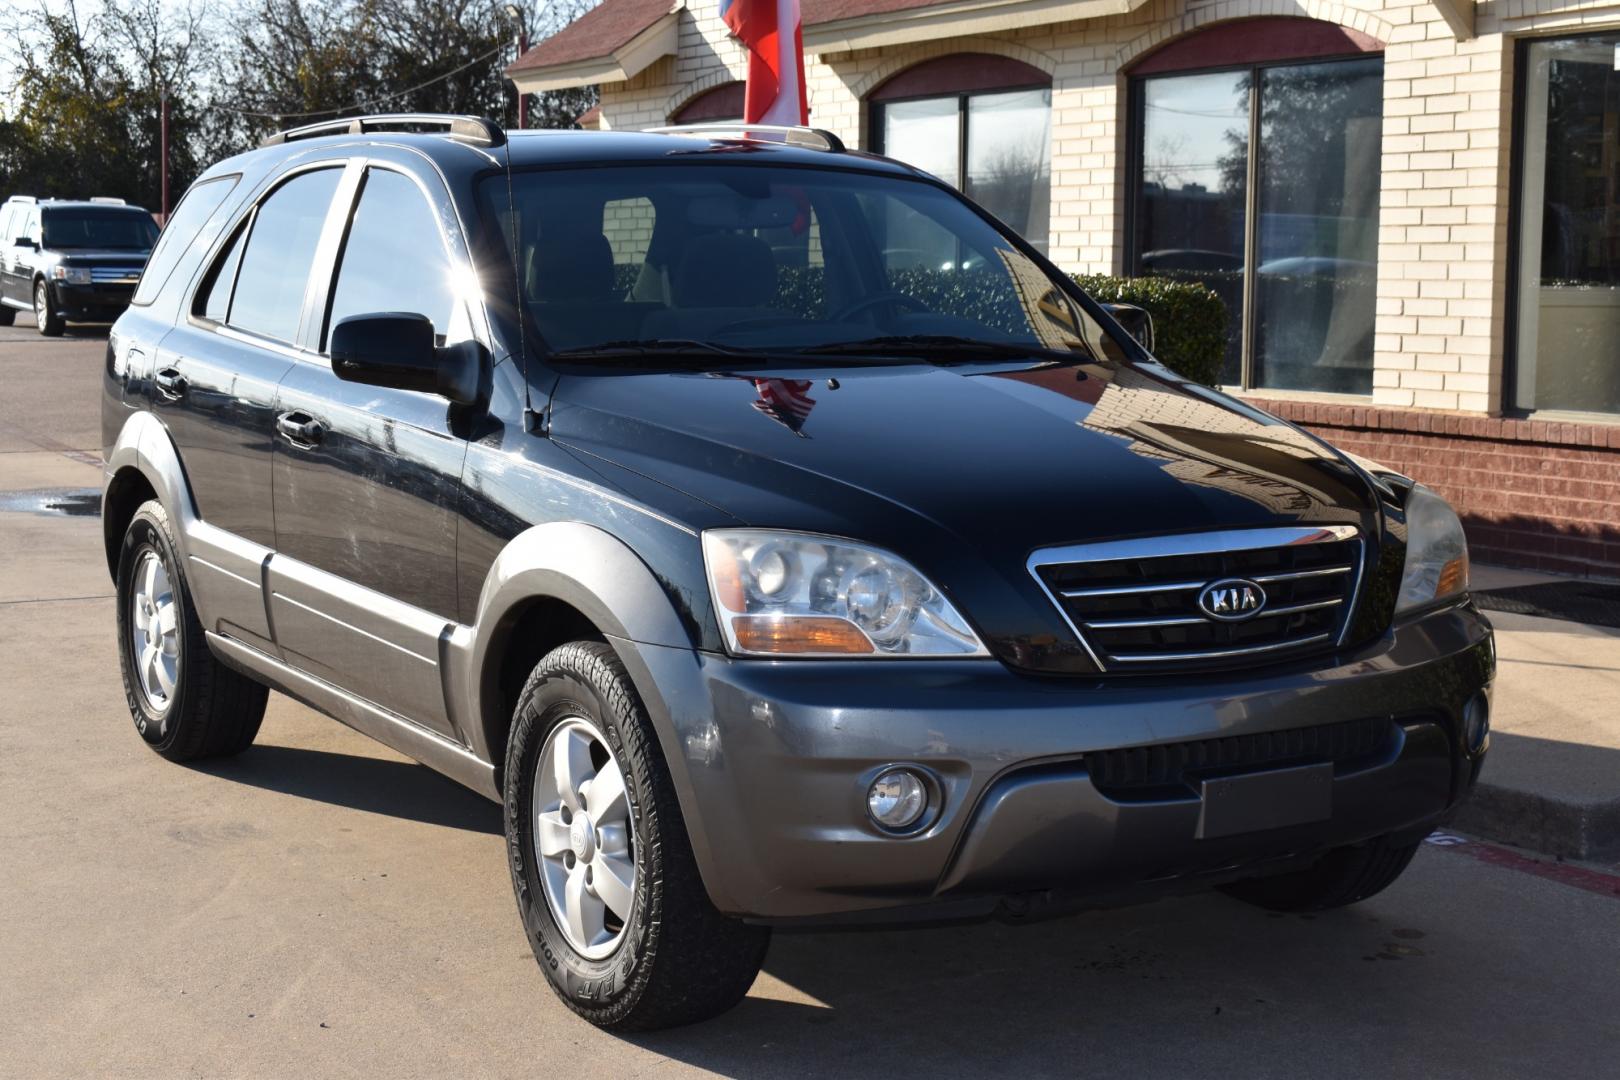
(780, 539)
(70, 260)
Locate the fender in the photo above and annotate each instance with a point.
(224, 572)
(143, 444)
(578, 564)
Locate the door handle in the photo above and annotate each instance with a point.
(299, 428)
(170, 383)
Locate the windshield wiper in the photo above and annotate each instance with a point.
(935, 346)
(694, 349)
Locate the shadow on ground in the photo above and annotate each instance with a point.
(401, 789)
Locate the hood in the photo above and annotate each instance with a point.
(963, 470)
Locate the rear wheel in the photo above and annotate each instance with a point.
(50, 324)
(185, 703)
(8, 314)
(606, 881)
(1342, 877)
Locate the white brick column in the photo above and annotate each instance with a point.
(1442, 252)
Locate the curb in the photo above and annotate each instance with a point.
(1572, 830)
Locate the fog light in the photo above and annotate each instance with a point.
(897, 799)
(1477, 724)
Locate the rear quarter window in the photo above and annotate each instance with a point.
(196, 209)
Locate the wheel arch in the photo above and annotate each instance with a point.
(554, 583)
(142, 464)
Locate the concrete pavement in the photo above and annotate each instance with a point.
(322, 907)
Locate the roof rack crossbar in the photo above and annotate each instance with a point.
(479, 130)
(814, 138)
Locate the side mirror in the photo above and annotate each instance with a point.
(1135, 321)
(26, 242)
(397, 349)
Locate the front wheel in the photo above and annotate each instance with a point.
(49, 323)
(1340, 878)
(605, 878)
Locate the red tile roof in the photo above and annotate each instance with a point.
(597, 33)
(613, 23)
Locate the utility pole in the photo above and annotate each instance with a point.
(515, 13)
(523, 99)
(163, 150)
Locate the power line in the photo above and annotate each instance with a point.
(365, 106)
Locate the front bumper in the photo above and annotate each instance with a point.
(772, 761)
(89, 303)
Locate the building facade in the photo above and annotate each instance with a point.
(1410, 207)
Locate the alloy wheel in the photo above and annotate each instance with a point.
(585, 838)
(154, 639)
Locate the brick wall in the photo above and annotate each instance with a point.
(1533, 494)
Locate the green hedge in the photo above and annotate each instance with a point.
(1189, 320)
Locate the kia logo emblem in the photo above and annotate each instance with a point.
(1232, 599)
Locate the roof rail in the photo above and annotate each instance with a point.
(108, 200)
(814, 138)
(479, 130)
(23, 199)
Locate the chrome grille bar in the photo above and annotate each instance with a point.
(1147, 585)
(1217, 654)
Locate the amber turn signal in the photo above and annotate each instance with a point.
(800, 634)
(1453, 576)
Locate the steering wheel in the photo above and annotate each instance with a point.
(888, 296)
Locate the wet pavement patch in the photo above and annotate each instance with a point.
(1574, 601)
(66, 502)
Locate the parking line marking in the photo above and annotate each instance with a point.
(1577, 877)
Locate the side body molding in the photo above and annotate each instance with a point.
(578, 564)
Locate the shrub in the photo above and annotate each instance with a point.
(1189, 320)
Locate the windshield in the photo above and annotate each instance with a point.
(128, 230)
(762, 259)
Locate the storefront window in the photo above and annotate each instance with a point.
(1568, 354)
(994, 144)
(1262, 183)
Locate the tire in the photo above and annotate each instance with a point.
(198, 708)
(1340, 878)
(672, 958)
(50, 324)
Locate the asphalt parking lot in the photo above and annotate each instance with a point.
(320, 906)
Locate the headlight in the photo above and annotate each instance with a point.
(797, 594)
(73, 275)
(1436, 552)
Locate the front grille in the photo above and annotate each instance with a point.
(114, 275)
(1137, 607)
(1172, 768)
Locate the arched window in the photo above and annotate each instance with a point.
(724, 103)
(980, 122)
(1255, 161)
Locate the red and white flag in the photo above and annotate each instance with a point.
(773, 32)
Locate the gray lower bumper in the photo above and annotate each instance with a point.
(772, 761)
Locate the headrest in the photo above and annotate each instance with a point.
(725, 270)
(575, 264)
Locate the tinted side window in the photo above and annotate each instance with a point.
(393, 259)
(280, 250)
(194, 210)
